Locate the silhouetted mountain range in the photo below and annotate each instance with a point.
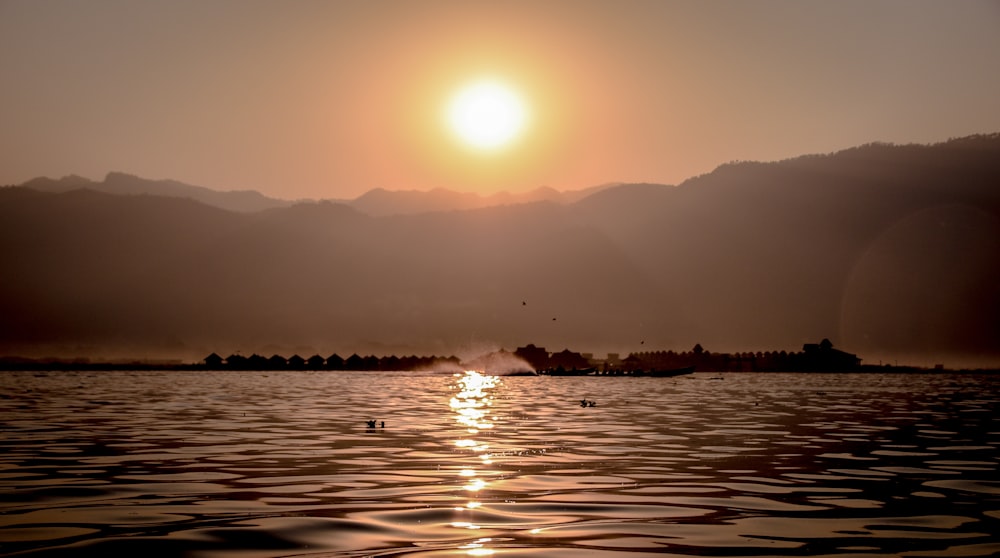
(381, 202)
(127, 184)
(377, 202)
(890, 251)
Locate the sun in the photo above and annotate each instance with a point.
(486, 115)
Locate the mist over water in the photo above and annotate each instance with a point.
(266, 464)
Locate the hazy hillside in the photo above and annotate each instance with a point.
(126, 184)
(890, 251)
(377, 202)
(381, 202)
(887, 249)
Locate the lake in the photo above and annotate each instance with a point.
(266, 464)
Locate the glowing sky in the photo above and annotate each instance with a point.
(330, 99)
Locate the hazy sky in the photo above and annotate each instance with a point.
(328, 99)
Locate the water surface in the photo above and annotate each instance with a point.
(259, 464)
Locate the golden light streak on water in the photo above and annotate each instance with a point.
(475, 486)
(471, 411)
(477, 549)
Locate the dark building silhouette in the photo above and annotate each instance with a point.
(390, 362)
(236, 361)
(354, 362)
(213, 361)
(335, 362)
(822, 357)
(258, 362)
(277, 362)
(568, 360)
(315, 362)
(537, 357)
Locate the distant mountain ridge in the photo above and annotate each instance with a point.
(890, 251)
(376, 202)
(126, 184)
(381, 202)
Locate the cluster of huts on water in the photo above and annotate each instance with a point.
(332, 362)
(813, 357)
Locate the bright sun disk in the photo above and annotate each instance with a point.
(486, 115)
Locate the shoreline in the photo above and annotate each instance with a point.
(78, 365)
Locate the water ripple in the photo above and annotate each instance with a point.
(284, 464)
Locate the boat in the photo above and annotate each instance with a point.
(639, 373)
(560, 371)
(667, 373)
(520, 372)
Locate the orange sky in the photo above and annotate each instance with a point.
(330, 99)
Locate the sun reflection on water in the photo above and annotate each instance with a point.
(475, 485)
(480, 552)
(471, 405)
(476, 548)
(471, 402)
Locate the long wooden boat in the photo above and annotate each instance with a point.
(560, 371)
(668, 373)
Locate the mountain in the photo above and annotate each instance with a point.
(377, 202)
(127, 184)
(890, 251)
(381, 202)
